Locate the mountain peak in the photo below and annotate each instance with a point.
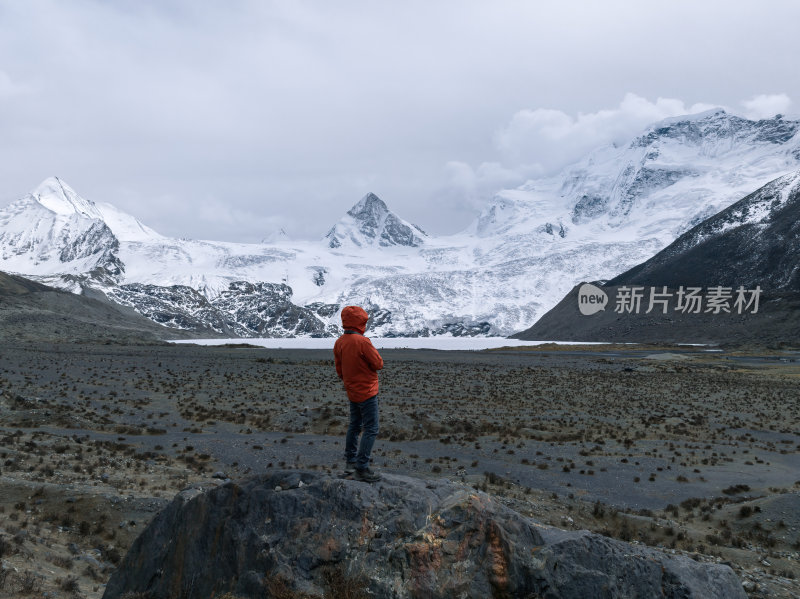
(369, 208)
(53, 231)
(369, 201)
(369, 223)
(55, 195)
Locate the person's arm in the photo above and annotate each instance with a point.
(372, 356)
(337, 359)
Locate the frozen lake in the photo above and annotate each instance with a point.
(443, 343)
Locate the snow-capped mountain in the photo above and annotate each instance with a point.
(747, 257)
(671, 177)
(371, 223)
(612, 210)
(54, 233)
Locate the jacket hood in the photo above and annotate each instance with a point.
(355, 317)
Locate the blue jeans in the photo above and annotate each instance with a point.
(363, 417)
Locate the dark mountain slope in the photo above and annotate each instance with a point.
(777, 323)
(32, 312)
(11, 285)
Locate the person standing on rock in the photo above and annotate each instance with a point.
(357, 364)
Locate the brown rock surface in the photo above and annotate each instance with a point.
(403, 537)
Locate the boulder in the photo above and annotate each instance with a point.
(294, 533)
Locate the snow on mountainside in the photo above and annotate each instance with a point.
(612, 210)
(673, 176)
(125, 227)
(754, 242)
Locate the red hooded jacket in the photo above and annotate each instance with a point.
(357, 360)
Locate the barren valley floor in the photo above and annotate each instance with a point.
(678, 448)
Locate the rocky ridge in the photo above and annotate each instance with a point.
(243, 310)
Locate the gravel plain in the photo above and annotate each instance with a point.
(674, 447)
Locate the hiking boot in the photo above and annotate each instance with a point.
(368, 476)
(349, 468)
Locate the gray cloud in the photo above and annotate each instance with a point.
(227, 120)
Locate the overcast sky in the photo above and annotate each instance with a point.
(228, 120)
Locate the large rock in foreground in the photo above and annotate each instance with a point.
(303, 534)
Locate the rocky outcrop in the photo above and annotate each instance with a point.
(243, 310)
(177, 307)
(304, 534)
(266, 310)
